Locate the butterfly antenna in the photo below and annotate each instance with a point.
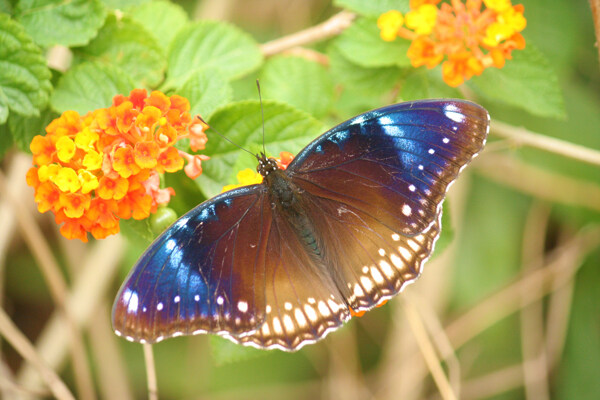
(226, 138)
(262, 113)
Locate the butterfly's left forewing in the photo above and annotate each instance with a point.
(203, 274)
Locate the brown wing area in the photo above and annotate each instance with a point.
(372, 262)
(303, 303)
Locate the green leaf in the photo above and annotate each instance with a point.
(370, 80)
(69, 23)
(5, 6)
(426, 84)
(286, 129)
(89, 86)
(206, 91)
(162, 20)
(6, 140)
(211, 44)
(123, 4)
(23, 129)
(24, 76)
(527, 81)
(138, 232)
(362, 45)
(128, 45)
(3, 108)
(299, 82)
(373, 8)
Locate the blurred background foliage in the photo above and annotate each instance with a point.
(511, 303)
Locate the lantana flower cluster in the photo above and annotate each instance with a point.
(465, 36)
(249, 177)
(93, 170)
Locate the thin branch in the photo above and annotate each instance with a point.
(426, 347)
(525, 137)
(539, 182)
(150, 372)
(441, 340)
(89, 287)
(24, 347)
(58, 287)
(535, 370)
(568, 258)
(332, 27)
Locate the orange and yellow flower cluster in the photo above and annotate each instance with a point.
(249, 177)
(93, 170)
(465, 36)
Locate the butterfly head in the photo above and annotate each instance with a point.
(265, 165)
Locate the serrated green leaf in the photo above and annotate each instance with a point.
(211, 44)
(206, 91)
(299, 82)
(370, 80)
(89, 86)
(373, 7)
(426, 84)
(69, 23)
(286, 129)
(162, 20)
(23, 129)
(24, 76)
(128, 45)
(225, 352)
(362, 45)
(527, 81)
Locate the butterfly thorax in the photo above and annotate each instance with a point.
(286, 200)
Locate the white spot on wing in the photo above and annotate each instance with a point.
(300, 318)
(288, 323)
(176, 299)
(323, 309)
(406, 210)
(452, 112)
(405, 253)
(159, 306)
(412, 188)
(310, 312)
(242, 306)
(377, 275)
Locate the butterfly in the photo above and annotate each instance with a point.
(343, 229)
